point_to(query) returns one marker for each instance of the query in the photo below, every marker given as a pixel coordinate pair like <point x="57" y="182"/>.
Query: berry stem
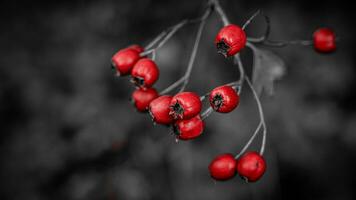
<point x="260" y="110"/>
<point x="195" y="50"/>
<point x="156" y="39"/>
<point x="285" y="43"/>
<point x="165" y="35"/>
<point x="247" y="145"/>
<point x="267" y="32"/>
<point x="237" y="60"/>
<point x="175" y="28"/>
<point x="221" y="12"/>
<point x="250" y="19"/>
<point x="206" y="113"/>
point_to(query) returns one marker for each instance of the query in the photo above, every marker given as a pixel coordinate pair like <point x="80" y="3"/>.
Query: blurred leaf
<point x="267" y="68"/>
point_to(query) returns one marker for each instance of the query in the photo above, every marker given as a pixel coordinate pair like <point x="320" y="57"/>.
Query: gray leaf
<point x="267" y="68"/>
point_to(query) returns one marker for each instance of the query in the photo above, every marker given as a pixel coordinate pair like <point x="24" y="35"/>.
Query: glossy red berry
<point x="159" y="110"/>
<point x="224" y="99"/>
<point x="137" y="48"/>
<point x="324" y="40"/>
<point x="223" y="167"/>
<point x="143" y="97"/>
<point x="251" y="166"/>
<point x="230" y="40"/>
<point x="123" y="61"/>
<point x="187" y="129"/>
<point x="185" y="105"/>
<point x="145" y="73"/>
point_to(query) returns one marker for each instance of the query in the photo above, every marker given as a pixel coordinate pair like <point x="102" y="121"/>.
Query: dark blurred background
<point x="68" y="130"/>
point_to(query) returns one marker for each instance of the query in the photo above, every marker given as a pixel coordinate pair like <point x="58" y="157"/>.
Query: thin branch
<point x="260" y="110"/>
<point x="281" y="43"/>
<point x="251" y="18"/>
<point x="247" y="145"/>
<point x="169" y="32"/>
<point x="206" y="113"/>
<point x="237" y="60"/>
<point x="166" y="38"/>
<point x="266" y="34"/>
<point x="173" y="86"/>
<point x="221" y="12"/>
<point x="194" y="54"/>
<point x="263" y="40"/>
<point x="184" y="80"/>
<point x="156" y="39"/>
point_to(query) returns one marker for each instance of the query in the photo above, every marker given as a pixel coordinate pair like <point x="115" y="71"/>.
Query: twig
<point x="156" y="39"/>
<point x="166" y="38"/>
<point x="221" y="12"/>
<point x="194" y="51"/>
<point x="247" y="145"/>
<point x="285" y="43"/>
<point x="237" y="60"/>
<point x="251" y="18"/>
<point x="265" y="35"/>
<point x="184" y="79"/>
<point x="260" y="110"/>
<point x="206" y="113"/>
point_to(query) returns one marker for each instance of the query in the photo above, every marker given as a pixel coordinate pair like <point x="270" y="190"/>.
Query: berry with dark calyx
<point x="324" y="40"/>
<point x="230" y="40"/>
<point x="143" y="97"/>
<point x="251" y="166"/>
<point x="187" y="129"/>
<point x="123" y="61"/>
<point x="223" y="167"/>
<point x="185" y="105"/>
<point x="224" y="99"/>
<point x="159" y="110"/>
<point x="145" y="73"/>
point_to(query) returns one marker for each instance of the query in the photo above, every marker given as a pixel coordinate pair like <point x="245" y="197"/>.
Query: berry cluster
<point x="183" y="111"/>
<point x="250" y="166"/>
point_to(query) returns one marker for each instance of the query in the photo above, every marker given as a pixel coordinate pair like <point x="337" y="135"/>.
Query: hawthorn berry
<point x="185" y="105"/>
<point x="230" y="40"/>
<point x="145" y="73"/>
<point x="123" y="61"/>
<point x="137" y="48"/>
<point x="143" y="97"/>
<point x="159" y="110"/>
<point x="251" y="166"/>
<point x="223" y="167"/>
<point x="187" y="129"/>
<point x="224" y="99"/>
<point x="324" y="40"/>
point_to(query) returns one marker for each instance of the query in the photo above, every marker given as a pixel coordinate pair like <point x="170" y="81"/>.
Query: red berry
<point x="223" y="167"/>
<point x="251" y="166"/>
<point x="136" y="47"/>
<point x="187" y="129"/>
<point x="159" y="110"/>
<point x="145" y="73"/>
<point x="185" y="105"/>
<point x="143" y="97"/>
<point x="224" y="99"/>
<point x="123" y="61"/>
<point x="324" y="40"/>
<point x="230" y="40"/>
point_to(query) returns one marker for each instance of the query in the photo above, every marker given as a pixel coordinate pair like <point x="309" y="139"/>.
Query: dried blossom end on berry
<point x="138" y="81"/>
<point x="176" y="111"/>
<point x="218" y="101"/>
<point x="222" y="48"/>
